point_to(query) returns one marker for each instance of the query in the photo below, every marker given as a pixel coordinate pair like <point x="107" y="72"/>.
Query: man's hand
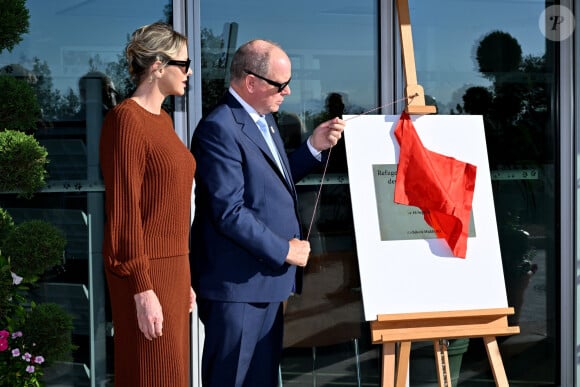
<point x="149" y="314"/>
<point x="298" y="252"/>
<point x="327" y="134"/>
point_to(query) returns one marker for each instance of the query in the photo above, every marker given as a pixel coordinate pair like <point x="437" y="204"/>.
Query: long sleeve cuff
<point x="316" y="153"/>
<point x="140" y="282"/>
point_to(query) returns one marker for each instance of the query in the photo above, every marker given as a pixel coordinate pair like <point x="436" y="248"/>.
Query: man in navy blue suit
<point x="245" y="240"/>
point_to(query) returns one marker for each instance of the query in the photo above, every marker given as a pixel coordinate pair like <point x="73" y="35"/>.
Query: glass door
<point x="494" y="59"/>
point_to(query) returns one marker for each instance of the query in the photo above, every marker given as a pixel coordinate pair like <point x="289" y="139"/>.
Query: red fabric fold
<point x="441" y="186"/>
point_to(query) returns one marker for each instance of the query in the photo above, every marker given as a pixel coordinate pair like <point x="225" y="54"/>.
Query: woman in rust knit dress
<point x="148" y="174"/>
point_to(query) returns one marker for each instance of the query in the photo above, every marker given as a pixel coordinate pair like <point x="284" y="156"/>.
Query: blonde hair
<point x="150" y="43"/>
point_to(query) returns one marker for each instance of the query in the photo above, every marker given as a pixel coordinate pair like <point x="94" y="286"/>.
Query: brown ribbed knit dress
<point x="148" y="174"/>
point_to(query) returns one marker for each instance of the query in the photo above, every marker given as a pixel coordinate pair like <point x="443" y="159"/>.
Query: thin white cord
<point x="330" y="151"/>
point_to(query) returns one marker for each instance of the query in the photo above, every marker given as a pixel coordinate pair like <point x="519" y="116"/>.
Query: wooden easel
<point x="402" y="329"/>
<point x="391" y="330"/>
<point x="413" y="91"/>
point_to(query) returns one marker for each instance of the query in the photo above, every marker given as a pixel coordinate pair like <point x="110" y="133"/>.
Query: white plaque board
<point x="404" y="267"/>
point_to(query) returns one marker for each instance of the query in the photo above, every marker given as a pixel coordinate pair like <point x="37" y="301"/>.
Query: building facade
<point x="512" y="62"/>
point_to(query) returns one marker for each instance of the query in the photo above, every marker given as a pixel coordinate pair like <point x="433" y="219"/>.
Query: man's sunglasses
<point x="184" y="64"/>
<point x="280" y="86"/>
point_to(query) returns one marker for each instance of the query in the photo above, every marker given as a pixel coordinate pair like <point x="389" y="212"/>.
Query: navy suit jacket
<point x="245" y="209"/>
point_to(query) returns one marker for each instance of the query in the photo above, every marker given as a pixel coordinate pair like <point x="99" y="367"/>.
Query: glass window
<point x="72" y="58"/>
<point x="492" y="59"/>
<point x="333" y="46"/>
<point x="472" y="57"/>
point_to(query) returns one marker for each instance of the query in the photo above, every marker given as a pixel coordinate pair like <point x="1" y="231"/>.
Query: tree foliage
<point x="214" y="75"/>
<point x="515" y="107"/>
<point x="19" y="108"/>
<point x="498" y="52"/>
<point x="14" y="22"/>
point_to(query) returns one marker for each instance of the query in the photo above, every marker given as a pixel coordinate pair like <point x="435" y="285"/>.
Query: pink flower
<point x="39" y="359"/>
<point x="4" y="334"/>
<point x="3" y="345"/>
<point x="30" y="369"/>
<point x="27" y="356"/>
<point x="16" y="352"/>
<point x="16" y="334"/>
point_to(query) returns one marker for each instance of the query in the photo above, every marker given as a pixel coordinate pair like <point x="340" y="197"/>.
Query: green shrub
<point x="48" y="328"/>
<point x="6" y="288"/>
<point x="19" y="107"/>
<point x="14" y="21"/>
<point x="22" y="163"/>
<point x="34" y="247"/>
<point x="6" y="225"/>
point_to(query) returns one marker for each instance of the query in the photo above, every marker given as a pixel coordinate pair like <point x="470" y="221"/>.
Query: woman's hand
<point x="149" y="314"/>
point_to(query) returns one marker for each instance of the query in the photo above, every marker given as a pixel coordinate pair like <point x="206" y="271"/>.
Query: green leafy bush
<point x="32" y="336"/>
<point x="22" y="163"/>
<point x="6" y="285"/>
<point x="34" y="247"/>
<point x="48" y="327"/>
<point x="19" y="107"/>
<point x="6" y="224"/>
<point x="14" y="21"/>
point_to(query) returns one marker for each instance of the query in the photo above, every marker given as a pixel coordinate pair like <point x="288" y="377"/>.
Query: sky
<point x="446" y="34"/>
<point x="333" y="43"/>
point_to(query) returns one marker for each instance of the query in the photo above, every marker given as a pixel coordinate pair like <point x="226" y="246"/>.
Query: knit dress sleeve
<point x="123" y="155"/>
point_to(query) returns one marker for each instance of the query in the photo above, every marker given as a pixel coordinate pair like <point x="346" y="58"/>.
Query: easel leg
<point x="495" y="361"/>
<point x="403" y="363"/>
<point x="388" y="377"/>
<point x="442" y="363"/>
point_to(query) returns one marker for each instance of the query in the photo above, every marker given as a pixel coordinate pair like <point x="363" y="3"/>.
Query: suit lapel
<point x="250" y="129"/>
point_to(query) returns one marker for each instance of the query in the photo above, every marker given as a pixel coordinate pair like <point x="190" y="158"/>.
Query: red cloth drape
<point x="441" y="186"/>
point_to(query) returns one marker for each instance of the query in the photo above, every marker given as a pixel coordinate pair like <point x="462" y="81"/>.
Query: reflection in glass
<point x="72" y="58"/>
<point x="503" y="69"/>
<point x="333" y="49"/>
